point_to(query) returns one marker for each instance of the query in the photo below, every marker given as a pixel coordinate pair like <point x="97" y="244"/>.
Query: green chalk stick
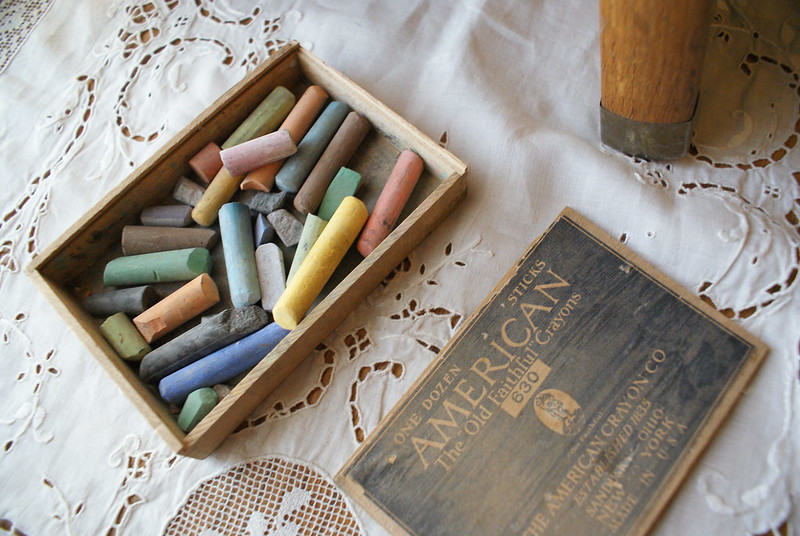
<point x="311" y="231"/>
<point x="344" y="184"/>
<point x="265" y="118"/>
<point x="198" y="404"/>
<point x="163" y="266"/>
<point x="123" y="336"/>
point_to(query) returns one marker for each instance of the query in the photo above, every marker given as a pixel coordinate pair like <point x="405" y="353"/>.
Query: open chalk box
<point x="71" y="268"/>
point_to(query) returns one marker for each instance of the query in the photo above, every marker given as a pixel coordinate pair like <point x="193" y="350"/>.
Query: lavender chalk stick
<point x="167" y="216"/>
<point x="213" y="333"/>
<point x="221" y="365"/>
<point x="240" y="259"/>
<point x="297" y="167"/>
<point x="263" y="230"/>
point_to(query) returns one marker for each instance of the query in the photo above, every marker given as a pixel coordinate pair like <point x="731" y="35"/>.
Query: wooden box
<point x="74" y="263"/>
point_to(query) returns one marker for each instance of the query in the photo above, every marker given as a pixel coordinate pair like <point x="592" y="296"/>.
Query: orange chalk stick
<point x="185" y="303"/>
<point x="297" y="123"/>
<point x="390" y="203"/>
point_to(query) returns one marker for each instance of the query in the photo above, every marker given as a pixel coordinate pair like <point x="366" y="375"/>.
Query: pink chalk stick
<point x="206" y="163"/>
<point x="297" y="123"/>
<point x="257" y="152"/>
<point x="390" y="203"/>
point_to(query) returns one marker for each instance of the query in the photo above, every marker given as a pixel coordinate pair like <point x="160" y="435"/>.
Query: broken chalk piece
<point x="187" y="192"/>
<point x="345" y="184"/>
<point x="297" y="123"/>
<point x="131" y="301"/>
<point x="297" y="167"/>
<point x="264" y="119"/>
<point x="162" y="266"/>
<point x="311" y="231"/>
<point x="337" y="154"/>
<point x="263" y="230"/>
<point x="391" y="201"/>
<point x="142" y="239"/>
<point x="198" y="404"/>
<point x="207" y="162"/>
<point x="123" y="336"/>
<point x="212" y="333"/>
<point x="219" y="192"/>
<point x="245" y="157"/>
<point x="167" y="216"/>
<point x="240" y="259"/>
<point x="271" y="274"/>
<point x="286" y="226"/>
<point x="185" y="303"/>
<point x="221" y="365"/>
<point x="263" y="202"/>
<point x="321" y="261"/>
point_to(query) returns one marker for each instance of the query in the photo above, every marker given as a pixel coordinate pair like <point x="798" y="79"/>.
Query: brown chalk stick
<point x="185" y="303"/>
<point x="341" y="148"/>
<point x="207" y="162"/>
<point x="145" y="239"/>
<point x="297" y="124"/>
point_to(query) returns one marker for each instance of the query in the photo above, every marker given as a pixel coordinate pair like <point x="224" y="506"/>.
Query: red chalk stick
<point x="206" y="163"/>
<point x="390" y="203"/>
<point x="297" y="123"/>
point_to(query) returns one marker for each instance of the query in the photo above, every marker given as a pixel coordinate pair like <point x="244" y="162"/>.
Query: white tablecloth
<point x="91" y="88"/>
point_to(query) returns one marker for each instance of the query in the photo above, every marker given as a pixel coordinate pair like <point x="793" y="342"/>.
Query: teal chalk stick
<point x="240" y="258"/>
<point x="344" y="184"/>
<point x="297" y="167"/>
<point x="198" y="404"/>
<point x="163" y="266"/>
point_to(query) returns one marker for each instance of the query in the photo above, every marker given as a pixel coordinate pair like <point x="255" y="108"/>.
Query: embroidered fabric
<point x="510" y="87"/>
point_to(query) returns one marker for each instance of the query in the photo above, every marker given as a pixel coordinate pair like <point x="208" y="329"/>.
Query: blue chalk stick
<point x="221" y="365"/>
<point x="240" y="257"/>
<point x="296" y="168"/>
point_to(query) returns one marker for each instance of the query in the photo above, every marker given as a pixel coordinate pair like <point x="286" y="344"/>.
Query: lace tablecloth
<point x="91" y="88"/>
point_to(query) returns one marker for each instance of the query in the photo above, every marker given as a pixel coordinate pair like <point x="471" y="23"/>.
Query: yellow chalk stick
<point x="321" y="261"/>
<point x="219" y="192"/>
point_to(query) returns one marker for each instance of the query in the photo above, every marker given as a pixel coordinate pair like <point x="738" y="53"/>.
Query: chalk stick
<point x="264" y="119"/>
<point x="130" y="301"/>
<point x="287" y="227"/>
<point x="337" y="154"/>
<point x="199" y="403"/>
<point x="123" y="336"/>
<point x="247" y="156"/>
<point x="311" y="230"/>
<point x="187" y="192"/>
<point x="263" y="202"/>
<point x="222" y="390"/>
<point x="240" y="259"/>
<point x="142" y="239"/>
<point x="162" y="266"/>
<point x="219" y="192"/>
<point x="212" y="333"/>
<point x="345" y="184"/>
<point x="221" y="365"/>
<point x="321" y="261"/>
<point x="263" y="231"/>
<point x="207" y="162"/>
<point x="297" y="167"/>
<point x="271" y="274"/>
<point x="185" y="303"/>
<point x="167" y="216"/>
<point x="391" y="201"/>
<point x="297" y="123"/>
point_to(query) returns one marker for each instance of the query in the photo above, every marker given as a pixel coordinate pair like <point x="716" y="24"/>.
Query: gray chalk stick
<point x="132" y="301"/>
<point x="211" y="334"/>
